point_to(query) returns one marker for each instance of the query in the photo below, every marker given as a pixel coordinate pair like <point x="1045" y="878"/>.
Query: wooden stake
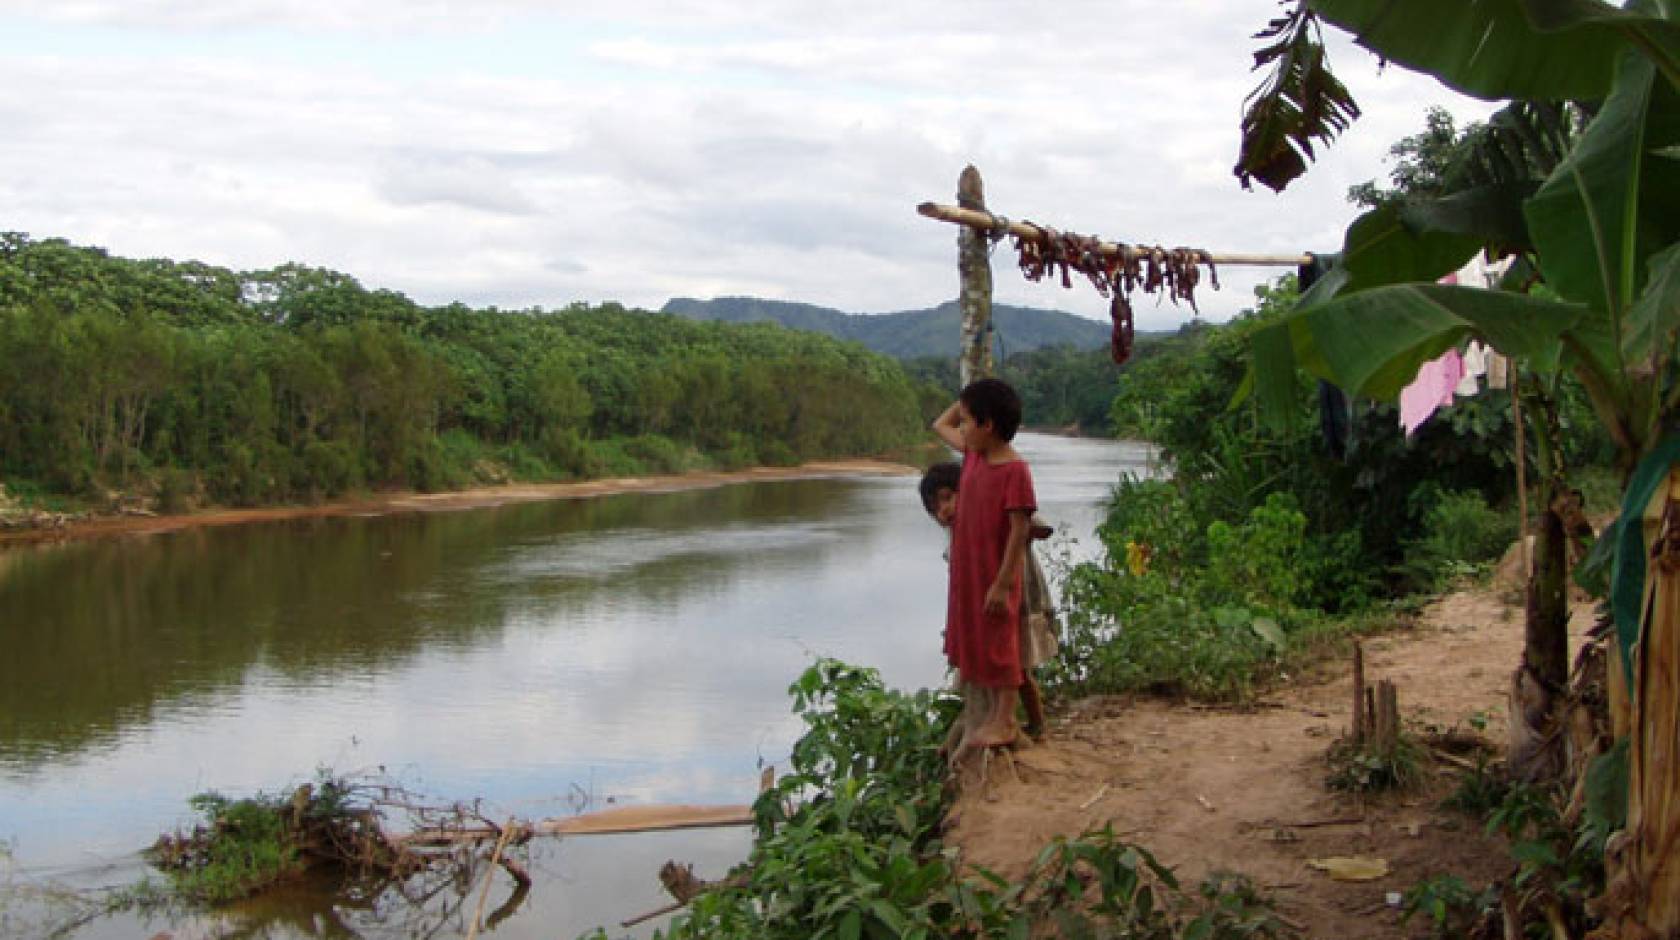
<point x="1358" y="694"/>
<point x="1385" y="723"/>
<point x="982" y="221"/>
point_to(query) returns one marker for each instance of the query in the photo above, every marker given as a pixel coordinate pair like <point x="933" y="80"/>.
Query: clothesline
<point x="987" y="222"/>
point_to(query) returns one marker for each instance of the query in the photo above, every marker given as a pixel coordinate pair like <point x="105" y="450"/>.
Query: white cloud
<point x="546" y="154"/>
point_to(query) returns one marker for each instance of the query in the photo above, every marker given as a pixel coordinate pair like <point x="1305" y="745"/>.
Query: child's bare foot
<point x="993" y="734"/>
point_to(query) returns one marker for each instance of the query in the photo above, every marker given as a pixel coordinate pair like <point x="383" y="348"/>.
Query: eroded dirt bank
<point x="476" y="498"/>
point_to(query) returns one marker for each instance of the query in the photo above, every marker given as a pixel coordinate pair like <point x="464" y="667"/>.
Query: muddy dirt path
<point x="1210" y="789"/>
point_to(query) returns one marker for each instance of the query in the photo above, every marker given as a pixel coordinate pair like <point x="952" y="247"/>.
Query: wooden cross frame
<point x="975" y="268"/>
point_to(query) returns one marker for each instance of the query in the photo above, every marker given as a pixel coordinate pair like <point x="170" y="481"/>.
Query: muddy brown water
<point x="541" y="656"/>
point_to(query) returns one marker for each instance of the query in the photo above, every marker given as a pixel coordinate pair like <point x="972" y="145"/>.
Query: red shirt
<point x="985" y="650"/>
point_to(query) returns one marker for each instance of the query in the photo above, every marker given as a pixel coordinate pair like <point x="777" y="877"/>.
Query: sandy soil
<point x="1210" y="789"/>
<point x="477" y="498"/>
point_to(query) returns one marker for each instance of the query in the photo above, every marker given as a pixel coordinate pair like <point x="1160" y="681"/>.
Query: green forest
<point x="197" y="384"/>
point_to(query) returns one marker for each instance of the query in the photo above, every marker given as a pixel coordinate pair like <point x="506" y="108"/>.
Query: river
<point x="545" y="657"/>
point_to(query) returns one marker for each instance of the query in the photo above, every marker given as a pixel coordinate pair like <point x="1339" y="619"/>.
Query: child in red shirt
<point x="995" y="502"/>
<point x="1038" y="643"/>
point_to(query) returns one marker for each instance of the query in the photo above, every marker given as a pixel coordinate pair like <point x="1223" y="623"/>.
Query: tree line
<point x="203" y="383"/>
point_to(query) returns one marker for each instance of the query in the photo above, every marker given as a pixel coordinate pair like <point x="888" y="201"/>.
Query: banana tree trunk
<point x="1642" y="898"/>
<point x="1539" y="686"/>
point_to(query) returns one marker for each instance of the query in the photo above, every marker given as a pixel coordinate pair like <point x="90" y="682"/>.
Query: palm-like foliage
<point x="1301" y="101"/>
<point x="1597" y="216"/>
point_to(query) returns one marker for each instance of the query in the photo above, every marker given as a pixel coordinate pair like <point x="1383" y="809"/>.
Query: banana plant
<point x="1601" y="228"/>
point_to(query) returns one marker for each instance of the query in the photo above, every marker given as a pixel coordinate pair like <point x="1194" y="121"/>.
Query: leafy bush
<point x="774" y="453"/>
<point x="1364" y="768"/>
<point x="332" y="466"/>
<point x="736" y="453"/>
<point x="176" y="489"/>
<point x="1450" y="904"/>
<point x="1257" y="563"/>
<point x="1459" y="533"/>
<point x="656" y="454"/>
<point x="1480" y="790"/>
<point x="860" y="852"/>
<point x="246" y="845"/>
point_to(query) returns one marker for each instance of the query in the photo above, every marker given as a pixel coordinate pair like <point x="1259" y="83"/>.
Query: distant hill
<point x="906" y="334"/>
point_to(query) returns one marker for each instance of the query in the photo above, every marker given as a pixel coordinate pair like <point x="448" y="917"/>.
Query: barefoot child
<point x="995" y="502"/>
<point x="1038" y="612"/>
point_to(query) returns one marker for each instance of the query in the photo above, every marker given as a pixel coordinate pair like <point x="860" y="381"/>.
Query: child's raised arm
<point x="949" y="426"/>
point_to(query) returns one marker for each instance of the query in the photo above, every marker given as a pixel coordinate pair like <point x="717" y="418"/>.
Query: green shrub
<point x="1460" y="533"/>
<point x="776" y="453"/>
<point x="1363" y="768"/>
<point x="1449" y="903"/>
<point x="333" y="467"/>
<point x="737" y="452"/>
<point x="657" y="454"/>
<point x="525" y="464"/>
<point x="566" y="452"/>
<point x="1257" y="563"/>
<point x="176" y="489"/>
<point x="1126" y="632"/>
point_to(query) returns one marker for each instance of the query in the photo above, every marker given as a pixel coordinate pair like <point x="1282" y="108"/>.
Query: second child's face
<point x="945" y="506"/>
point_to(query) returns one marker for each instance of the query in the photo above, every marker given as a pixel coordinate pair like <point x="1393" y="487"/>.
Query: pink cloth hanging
<point x="1432" y="389"/>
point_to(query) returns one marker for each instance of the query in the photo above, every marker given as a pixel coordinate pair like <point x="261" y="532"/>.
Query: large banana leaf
<point x="1394" y="243"/>
<point x="1652" y="320"/>
<point x="1611" y="205"/>
<point x="1371" y="343"/>
<point x="1492" y="214"/>
<point x="1493" y="48"/>
<point x="1649" y="25"/>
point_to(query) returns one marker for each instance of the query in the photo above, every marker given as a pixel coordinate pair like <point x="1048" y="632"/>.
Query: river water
<point x="545" y="657"/>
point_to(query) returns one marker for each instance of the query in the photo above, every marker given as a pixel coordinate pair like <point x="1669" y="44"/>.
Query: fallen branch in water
<point x="681" y="884"/>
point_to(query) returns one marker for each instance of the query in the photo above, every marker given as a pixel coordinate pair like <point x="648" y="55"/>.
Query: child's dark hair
<point x="940" y="476"/>
<point x="992" y="400"/>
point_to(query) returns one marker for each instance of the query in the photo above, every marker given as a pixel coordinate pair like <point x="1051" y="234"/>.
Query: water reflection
<point x="99" y="636"/>
<point x="635" y="646"/>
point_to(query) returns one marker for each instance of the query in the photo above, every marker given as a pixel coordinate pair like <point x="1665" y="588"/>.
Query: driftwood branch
<point x="619" y="820"/>
<point x="489" y="875"/>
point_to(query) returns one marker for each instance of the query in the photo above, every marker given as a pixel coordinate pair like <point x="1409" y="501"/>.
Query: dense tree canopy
<point x="296" y="382"/>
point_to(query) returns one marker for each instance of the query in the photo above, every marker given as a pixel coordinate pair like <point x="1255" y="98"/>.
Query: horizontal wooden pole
<point x="647" y="819"/>
<point x="620" y="819"/>
<point x="985" y="221"/>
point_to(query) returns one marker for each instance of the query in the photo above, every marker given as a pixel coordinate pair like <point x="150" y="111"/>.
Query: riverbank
<point x="1242" y="789"/>
<point x="483" y="497"/>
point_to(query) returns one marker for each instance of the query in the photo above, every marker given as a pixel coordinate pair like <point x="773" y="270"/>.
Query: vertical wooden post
<point x="974" y="266"/>
<point x="1359" y="713"/>
<point x="1385" y="723"/>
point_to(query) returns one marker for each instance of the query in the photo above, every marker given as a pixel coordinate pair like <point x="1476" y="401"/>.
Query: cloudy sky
<point x="518" y="152"/>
